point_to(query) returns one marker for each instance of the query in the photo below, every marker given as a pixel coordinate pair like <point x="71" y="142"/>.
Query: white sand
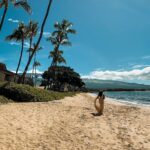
<point x="69" y="125"/>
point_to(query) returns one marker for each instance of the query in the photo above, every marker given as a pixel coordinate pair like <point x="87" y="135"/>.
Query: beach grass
<point x="26" y="93"/>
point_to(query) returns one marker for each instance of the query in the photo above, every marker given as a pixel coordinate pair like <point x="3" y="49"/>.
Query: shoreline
<point x="121" y="102"/>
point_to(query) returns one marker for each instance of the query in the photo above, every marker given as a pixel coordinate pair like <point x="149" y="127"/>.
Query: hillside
<point x="109" y="84"/>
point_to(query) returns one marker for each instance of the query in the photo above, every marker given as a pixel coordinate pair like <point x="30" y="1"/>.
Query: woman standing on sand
<point x="100" y="108"/>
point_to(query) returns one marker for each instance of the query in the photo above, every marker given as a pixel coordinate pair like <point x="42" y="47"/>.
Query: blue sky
<point x="112" y="40"/>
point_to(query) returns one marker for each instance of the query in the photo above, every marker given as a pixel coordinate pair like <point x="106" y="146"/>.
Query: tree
<point x="35" y="65"/>
<point x="32" y="29"/>
<point x="18" y="35"/>
<point x="38" y="42"/>
<point x="57" y="57"/>
<point x="5" y="3"/>
<point x="64" y="76"/>
<point x="60" y="37"/>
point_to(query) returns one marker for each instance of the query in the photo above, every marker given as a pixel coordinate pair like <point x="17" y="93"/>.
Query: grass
<point x="25" y="93"/>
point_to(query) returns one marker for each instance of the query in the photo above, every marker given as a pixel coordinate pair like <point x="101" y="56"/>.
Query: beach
<point x="68" y="124"/>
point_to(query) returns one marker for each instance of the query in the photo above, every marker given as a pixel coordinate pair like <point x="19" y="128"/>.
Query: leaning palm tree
<point x="18" y="35"/>
<point x="22" y="79"/>
<point x="32" y="29"/>
<point x="5" y="3"/>
<point x="59" y="38"/>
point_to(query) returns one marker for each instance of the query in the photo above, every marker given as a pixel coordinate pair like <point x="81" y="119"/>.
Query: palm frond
<point x="30" y="50"/>
<point x="65" y="42"/>
<point x="61" y="60"/>
<point x="24" y="4"/>
<point x="56" y="33"/>
<point x="38" y="48"/>
<point x="32" y="29"/>
<point x="58" y="26"/>
<point x="66" y="24"/>
<point x="2" y="3"/>
<point x="36" y="63"/>
<point x="16" y="35"/>
<point x="53" y="40"/>
<point x="72" y="31"/>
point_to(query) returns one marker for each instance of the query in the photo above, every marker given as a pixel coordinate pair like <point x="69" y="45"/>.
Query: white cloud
<point x="146" y="57"/>
<point x="30" y="71"/>
<point x="37" y="71"/>
<point x="26" y="44"/>
<point x="14" y="43"/>
<point x="135" y="74"/>
<point x="46" y="34"/>
<point x="13" y="21"/>
<point x="15" y="71"/>
<point x="139" y="66"/>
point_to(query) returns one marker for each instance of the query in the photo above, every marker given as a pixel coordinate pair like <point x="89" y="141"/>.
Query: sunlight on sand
<point x="69" y="125"/>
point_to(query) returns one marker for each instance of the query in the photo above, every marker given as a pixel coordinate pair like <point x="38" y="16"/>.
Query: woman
<point x="99" y="108"/>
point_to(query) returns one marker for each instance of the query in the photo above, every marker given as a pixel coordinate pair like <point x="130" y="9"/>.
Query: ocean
<point x="134" y="97"/>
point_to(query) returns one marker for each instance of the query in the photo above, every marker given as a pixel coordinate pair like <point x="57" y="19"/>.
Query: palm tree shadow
<point x="96" y="114"/>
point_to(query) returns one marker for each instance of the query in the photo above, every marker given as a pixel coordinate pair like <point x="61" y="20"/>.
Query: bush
<point x="26" y="93"/>
<point x="4" y="100"/>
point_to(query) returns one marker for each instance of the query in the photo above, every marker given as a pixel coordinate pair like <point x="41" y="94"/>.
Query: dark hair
<point x="100" y="93"/>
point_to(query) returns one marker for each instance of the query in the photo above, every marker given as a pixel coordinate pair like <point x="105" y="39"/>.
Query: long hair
<point x="100" y="93"/>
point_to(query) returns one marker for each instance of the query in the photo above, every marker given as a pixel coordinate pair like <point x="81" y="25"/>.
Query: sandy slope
<point x="68" y="125"/>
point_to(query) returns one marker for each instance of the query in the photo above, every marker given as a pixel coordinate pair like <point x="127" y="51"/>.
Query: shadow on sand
<point x="97" y="114"/>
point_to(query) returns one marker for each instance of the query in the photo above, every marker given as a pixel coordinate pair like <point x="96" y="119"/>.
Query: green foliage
<point x="58" y="76"/>
<point x="25" y="93"/>
<point x="60" y="38"/>
<point x="4" y="100"/>
<point x="18" y="34"/>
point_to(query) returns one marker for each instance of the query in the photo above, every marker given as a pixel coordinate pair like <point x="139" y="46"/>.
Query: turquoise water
<point x="136" y="97"/>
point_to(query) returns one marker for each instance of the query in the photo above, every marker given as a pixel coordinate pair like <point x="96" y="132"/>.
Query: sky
<point x="112" y="40"/>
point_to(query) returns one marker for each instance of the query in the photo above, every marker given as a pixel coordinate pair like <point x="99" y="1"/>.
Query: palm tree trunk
<point x="31" y="39"/>
<point x="38" y="42"/>
<point x="22" y="48"/>
<point x="34" y="69"/>
<point x="32" y="72"/>
<point x="3" y="17"/>
<point x="30" y="46"/>
<point x="35" y="76"/>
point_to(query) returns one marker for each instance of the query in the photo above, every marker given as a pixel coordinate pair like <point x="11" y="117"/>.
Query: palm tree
<point x="32" y="29"/>
<point x="35" y="65"/>
<point x="60" y="37"/>
<point x="18" y="35"/>
<point x="38" y="42"/>
<point x="35" y="54"/>
<point x="5" y="3"/>
<point x="57" y="57"/>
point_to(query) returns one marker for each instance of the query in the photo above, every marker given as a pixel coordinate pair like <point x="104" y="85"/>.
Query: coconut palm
<point x="32" y="29"/>
<point x="18" y="35"/>
<point x="35" y="65"/>
<point x="30" y="50"/>
<point x="35" y="54"/>
<point x="37" y="43"/>
<point x="59" y="38"/>
<point x="57" y="57"/>
<point x="5" y="3"/>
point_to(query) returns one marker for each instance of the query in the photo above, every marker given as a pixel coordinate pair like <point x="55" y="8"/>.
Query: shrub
<point x="4" y="100"/>
<point x="26" y="93"/>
